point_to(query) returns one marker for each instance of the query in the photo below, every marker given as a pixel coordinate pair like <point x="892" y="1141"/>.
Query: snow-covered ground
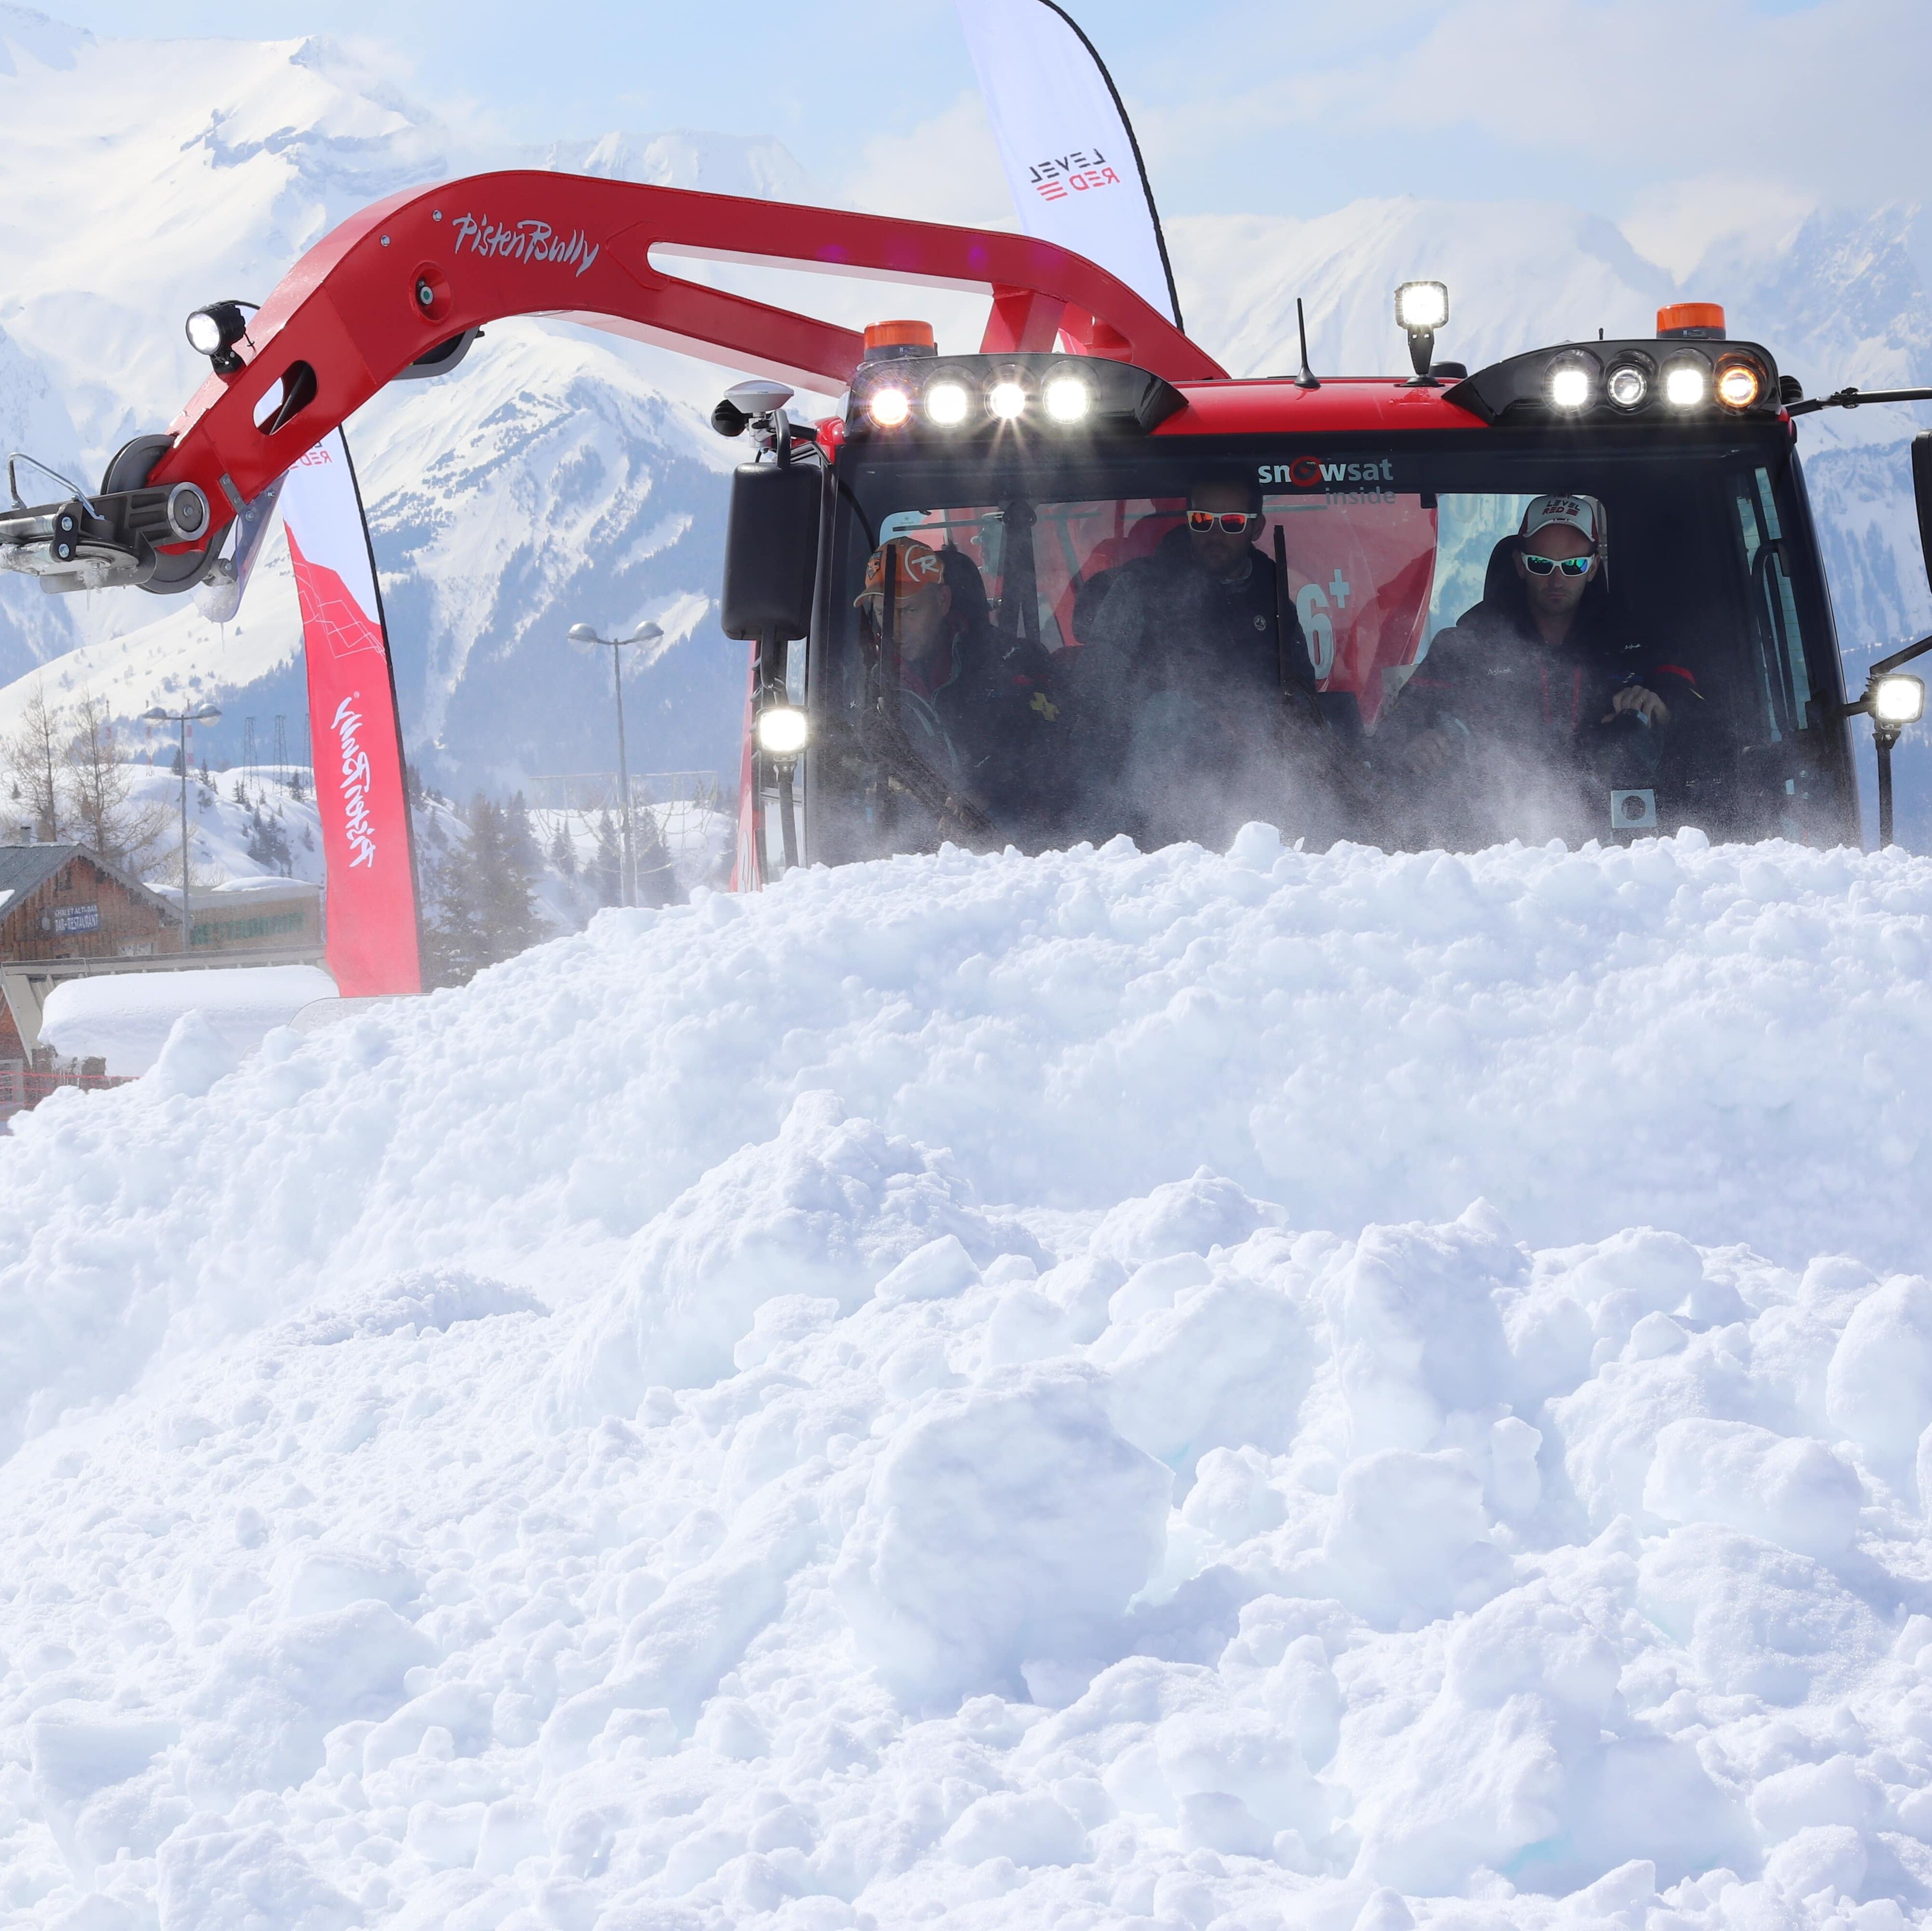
<point x="1100" y="1390"/>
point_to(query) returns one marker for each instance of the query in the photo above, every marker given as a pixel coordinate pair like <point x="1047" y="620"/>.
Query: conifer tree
<point x="607" y="869"/>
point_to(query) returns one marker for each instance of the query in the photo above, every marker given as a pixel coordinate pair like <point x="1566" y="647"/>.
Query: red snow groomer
<point x="1081" y="582"/>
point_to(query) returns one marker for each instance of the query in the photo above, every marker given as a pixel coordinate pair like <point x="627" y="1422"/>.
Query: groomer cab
<point x="1381" y="512"/>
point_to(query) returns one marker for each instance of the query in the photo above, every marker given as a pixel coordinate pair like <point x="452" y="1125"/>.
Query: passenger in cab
<point x="1185" y="659"/>
<point x="1524" y="714"/>
<point x="975" y="710"/>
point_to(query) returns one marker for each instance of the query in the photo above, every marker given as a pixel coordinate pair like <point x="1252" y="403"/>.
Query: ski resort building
<point x="66" y="913"/>
<point x="64" y="910"/>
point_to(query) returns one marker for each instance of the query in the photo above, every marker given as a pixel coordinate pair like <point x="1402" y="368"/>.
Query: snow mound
<point x="1175" y="1390"/>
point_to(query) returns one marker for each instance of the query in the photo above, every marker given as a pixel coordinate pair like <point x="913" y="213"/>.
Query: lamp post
<point x="208" y="714"/>
<point x="586" y="639"/>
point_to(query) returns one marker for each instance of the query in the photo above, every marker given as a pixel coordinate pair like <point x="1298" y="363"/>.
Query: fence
<point x="686" y="807"/>
<point x="22" y="1087"/>
<point x="588" y="792"/>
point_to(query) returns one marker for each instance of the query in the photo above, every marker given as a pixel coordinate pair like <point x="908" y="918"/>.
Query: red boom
<point x="395" y="280"/>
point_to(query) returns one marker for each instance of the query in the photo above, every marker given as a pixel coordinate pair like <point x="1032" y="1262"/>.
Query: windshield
<point x="1451" y="645"/>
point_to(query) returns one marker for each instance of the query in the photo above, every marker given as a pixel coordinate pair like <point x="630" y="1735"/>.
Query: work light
<point x="1572" y="383"/>
<point x="1421" y="308"/>
<point x="213" y="331"/>
<point x="1740" y="381"/>
<point x="1687" y="381"/>
<point x="1067" y="398"/>
<point x="1898" y="700"/>
<point x="947" y="404"/>
<point x="1628" y="385"/>
<point x="782" y="730"/>
<point x="889" y="407"/>
<point x="1007" y="400"/>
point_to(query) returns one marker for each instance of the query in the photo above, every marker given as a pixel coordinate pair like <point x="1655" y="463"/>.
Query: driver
<point x="1536" y="672"/>
<point x="1187" y="655"/>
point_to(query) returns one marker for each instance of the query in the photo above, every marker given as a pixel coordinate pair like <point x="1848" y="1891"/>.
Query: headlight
<point x="1007" y="400"/>
<point x="1740" y="381"/>
<point x="1687" y="381"/>
<point x="947" y="402"/>
<point x="1422" y="307"/>
<point x="782" y="730"/>
<point x="1898" y="700"/>
<point x="1572" y="381"/>
<point x="889" y="407"/>
<point x="1628" y="383"/>
<point x="1067" y="398"/>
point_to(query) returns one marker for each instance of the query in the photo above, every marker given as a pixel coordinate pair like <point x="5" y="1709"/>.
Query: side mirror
<point x="771" y="551"/>
<point x="1921" y="490"/>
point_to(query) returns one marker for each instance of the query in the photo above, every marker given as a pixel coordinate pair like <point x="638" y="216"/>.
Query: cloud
<point x="946" y="169"/>
<point x="1600" y="102"/>
<point x="1678" y="224"/>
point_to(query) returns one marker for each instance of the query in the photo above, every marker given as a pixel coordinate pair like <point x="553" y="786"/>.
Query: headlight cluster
<point x="1630" y="380"/>
<point x="952" y="400"/>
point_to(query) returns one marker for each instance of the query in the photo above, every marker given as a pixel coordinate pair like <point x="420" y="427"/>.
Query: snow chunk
<point x="1009" y="1523"/>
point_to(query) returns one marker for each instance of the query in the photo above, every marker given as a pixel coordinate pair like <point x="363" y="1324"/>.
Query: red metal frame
<point x="395" y="280"/>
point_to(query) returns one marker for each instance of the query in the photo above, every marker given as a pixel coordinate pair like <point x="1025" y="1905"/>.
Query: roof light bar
<point x="1650" y="381"/>
<point x="1025" y="394"/>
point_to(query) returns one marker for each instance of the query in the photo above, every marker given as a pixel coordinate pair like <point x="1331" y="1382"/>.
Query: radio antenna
<point x="1306" y="380"/>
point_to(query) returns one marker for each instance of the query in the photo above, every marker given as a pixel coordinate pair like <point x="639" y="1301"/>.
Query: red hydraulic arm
<point x="409" y="273"/>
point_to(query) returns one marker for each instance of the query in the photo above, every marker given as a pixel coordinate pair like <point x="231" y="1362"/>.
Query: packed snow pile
<point x="1109" y="1389"/>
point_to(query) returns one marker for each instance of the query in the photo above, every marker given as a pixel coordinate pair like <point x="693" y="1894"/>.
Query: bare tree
<point x="99" y="794"/>
<point x="30" y="754"/>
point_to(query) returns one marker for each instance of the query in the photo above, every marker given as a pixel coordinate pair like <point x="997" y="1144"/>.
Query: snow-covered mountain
<point x="561" y="476"/>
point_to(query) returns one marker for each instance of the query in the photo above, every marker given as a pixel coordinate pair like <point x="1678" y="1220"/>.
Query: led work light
<point x="782" y="730"/>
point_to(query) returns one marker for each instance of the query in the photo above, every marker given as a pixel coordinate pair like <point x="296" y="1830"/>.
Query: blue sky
<point x="1679" y="118"/>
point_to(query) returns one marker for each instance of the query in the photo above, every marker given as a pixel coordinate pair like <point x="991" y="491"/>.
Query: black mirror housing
<point x="1921" y="490"/>
<point x="771" y="551"/>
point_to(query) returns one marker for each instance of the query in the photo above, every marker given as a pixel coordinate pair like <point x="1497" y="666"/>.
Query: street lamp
<point x="208" y="714"/>
<point x="586" y="639"/>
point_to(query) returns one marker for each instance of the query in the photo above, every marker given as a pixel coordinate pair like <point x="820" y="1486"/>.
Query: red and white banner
<point x="354" y="734"/>
<point x="1066" y="145"/>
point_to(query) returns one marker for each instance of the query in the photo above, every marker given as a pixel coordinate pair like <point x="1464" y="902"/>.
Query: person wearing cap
<point x="1185" y="659"/>
<point x="977" y="706"/>
<point x="1537" y="671"/>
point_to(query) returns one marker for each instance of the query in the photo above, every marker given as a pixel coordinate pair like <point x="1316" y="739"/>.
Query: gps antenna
<point x="1306" y="380"/>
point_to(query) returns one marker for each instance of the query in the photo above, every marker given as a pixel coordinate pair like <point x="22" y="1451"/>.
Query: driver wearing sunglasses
<point x="1180" y="681"/>
<point x="1537" y="669"/>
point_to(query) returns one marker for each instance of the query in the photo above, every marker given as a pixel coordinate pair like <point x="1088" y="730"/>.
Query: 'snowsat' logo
<point x="357" y="825"/>
<point x="524" y="241"/>
<point x="1319" y="472"/>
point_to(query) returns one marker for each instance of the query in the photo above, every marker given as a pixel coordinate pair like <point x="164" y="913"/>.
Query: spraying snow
<point x="1102" y="1390"/>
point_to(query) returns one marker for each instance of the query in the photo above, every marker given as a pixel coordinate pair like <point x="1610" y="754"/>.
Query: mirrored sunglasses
<point x="1569" y="566"/>
<point x="1231" y="523"/>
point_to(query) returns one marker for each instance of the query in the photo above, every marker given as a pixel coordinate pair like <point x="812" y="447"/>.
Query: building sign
<point x="71" y="919"/>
